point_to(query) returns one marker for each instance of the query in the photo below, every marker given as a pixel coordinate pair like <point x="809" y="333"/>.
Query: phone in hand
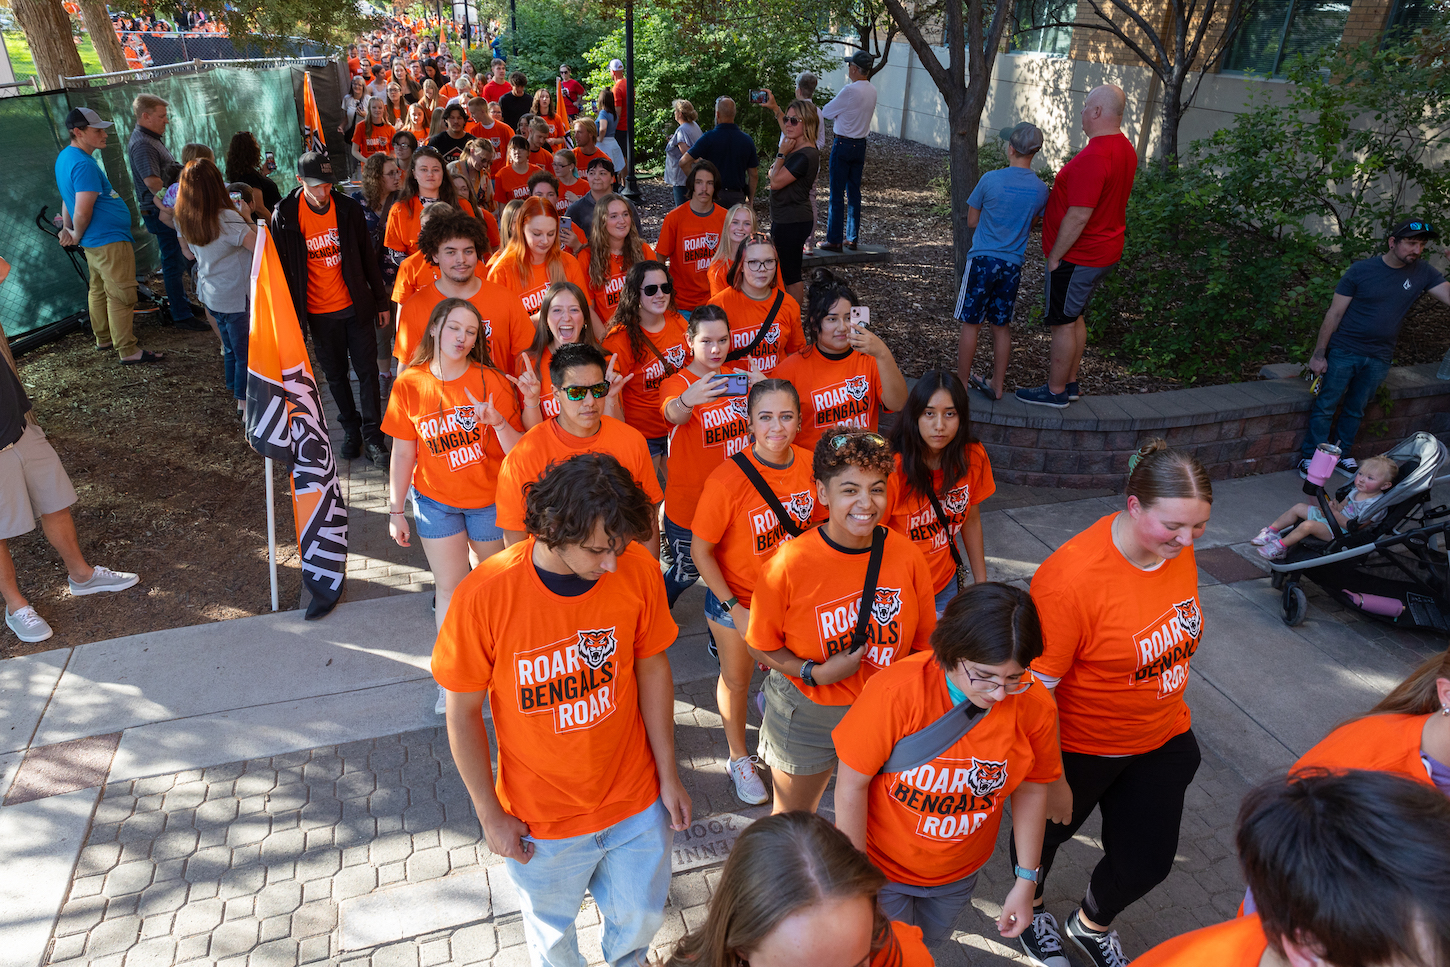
<point x="736" y="384"/>
<point x="565" y="223"/>
<point x="860" y="316"/>
<point x="271" y="161"/>
<point x="237" y="201"/>
<point x="759" y="97"/>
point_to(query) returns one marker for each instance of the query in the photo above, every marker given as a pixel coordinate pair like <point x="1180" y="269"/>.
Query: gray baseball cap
<point x="84" y="117"/>
<point x="1024" y="137"/>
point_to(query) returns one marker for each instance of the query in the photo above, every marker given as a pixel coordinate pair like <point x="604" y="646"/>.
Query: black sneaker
<point x="1348" y="465"/>
<point x="1102" y="949"/>
<point x="378" y="454"/>
<point x="1042" y="941"/>
<point x="1043" y="396"/>
<point x="351" y="447"/>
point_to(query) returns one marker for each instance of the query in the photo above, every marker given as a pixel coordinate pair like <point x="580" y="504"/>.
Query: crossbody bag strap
<point x="941" y="518"/>
<point x="868" y="593"/>
<point x="762" y="488"/>
<point x="670" y="368"/>
<point x="920" y="747"/>
<point x="760" y="333"/>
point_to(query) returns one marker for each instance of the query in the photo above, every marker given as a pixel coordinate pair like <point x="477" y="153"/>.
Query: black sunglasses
<point x="576" y="393"/>
<point x="664" y="287"/>
<point x="791" y="120"/>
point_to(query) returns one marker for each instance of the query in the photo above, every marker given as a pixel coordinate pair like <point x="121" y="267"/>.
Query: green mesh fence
<point x="209" y="108"/>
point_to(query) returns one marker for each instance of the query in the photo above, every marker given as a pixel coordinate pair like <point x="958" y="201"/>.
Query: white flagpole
<point x="271" y="534"/>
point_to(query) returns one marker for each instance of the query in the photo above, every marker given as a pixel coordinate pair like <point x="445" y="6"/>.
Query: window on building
<point x="1056" y="41"/>
<point x="1407" y="17"/>
<point x="1276" y="31"/>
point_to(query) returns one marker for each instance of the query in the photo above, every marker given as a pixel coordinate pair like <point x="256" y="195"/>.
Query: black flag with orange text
<point x="285" y="422"/>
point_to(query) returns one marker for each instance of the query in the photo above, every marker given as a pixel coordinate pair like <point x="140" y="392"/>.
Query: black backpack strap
<point x="760" y="333"/>
<point x="762" y="488"/>
<point x="868" y="593"/>
<point x="919" y="748"/>
<point x="941" y="519"/>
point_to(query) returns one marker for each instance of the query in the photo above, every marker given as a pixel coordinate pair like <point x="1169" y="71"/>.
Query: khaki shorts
<point x="32" y="483"/>
<point x="795" y="735"/>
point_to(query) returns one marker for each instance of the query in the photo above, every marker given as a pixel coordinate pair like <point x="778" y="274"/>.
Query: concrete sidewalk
<point x="269" y="790"/>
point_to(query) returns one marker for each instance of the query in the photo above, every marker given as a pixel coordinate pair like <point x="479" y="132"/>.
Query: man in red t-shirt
<point x="498" y="84"/>
<point x="1082" y="236"/>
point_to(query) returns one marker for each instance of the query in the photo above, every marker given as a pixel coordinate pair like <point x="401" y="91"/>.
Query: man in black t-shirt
<point x="1357" y="341"/>
<point x="451" y="141"/>
<point x="516" y="103"/>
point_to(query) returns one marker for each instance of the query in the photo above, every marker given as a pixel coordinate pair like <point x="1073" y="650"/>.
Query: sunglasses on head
<point x="576" y="393"/>
<point x="875" y="439"/>
<point x="664" y="287"/>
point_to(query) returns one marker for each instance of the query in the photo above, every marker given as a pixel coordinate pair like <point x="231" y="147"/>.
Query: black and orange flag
<point x="312" y="139"/>
<point x="285" y="422"/>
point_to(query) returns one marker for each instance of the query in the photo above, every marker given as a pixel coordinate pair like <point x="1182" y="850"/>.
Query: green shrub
<point x="551" y="32"/>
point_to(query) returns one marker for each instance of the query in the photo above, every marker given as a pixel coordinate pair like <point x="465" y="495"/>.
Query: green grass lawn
<point x="24" y="65"/>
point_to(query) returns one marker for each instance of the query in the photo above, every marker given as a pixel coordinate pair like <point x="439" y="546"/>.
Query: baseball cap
<point x="315" y="169"/>
<point x="84" y="117"/>
<point x="1025" y="137"/>
<point x="1414" y="228"/>
<point x="861" y="59"/>
<point x="616" y="64"/>
<point x="600" y="162"/>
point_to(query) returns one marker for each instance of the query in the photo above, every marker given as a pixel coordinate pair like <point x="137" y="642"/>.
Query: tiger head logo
<point x="799" y="505"/>
<point x="773" y="336"/>
<point x="858" y="387"/>
<point x="675" y="356"/>
<point x="466" y="417"/>
<point x="596" y="647"/>
<point x="739" y="408"/>
<point x="955" y="501"/>
<point x="1190" y="619"/>
<point x="986" y="777"/>
<point x="487" y="329"/>
<point x="886" y="606"/>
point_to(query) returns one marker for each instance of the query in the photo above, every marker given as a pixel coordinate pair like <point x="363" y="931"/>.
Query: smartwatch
<point x="729" y="603"/>
<point x="1032" y="876"/>
<point x="805" y="675"/>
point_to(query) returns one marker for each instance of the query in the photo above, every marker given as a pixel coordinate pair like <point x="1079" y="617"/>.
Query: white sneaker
<point x="440" y="707"/>
<point x="748" y="787"/>
<point x="104" y="579"/>
<point x="29" y="626"/>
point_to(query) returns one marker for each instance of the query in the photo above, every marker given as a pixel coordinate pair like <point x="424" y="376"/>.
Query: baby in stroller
<point x="1375" y="476"/>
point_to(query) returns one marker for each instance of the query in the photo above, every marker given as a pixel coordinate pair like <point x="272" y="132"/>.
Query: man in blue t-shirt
<point x="1002" y="209"/>
<point x="97" y="219"/>
<point x="1357" y="341"/>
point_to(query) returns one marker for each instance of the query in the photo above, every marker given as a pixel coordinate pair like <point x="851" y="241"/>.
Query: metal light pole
<point x="514" y="25"/>
<point x="631" y="187"/>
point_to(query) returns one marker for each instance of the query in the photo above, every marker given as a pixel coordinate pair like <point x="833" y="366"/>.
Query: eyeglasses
<point x="991" y="684"/>
<point x="757" y="265"/>
<point x="875" y="439"/>
<point x="576" y="393"/>
<point x="664" y="287"/>
<point x="791" y="120"/>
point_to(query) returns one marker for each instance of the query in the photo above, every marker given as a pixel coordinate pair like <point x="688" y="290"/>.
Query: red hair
<point x="516" y="251"/>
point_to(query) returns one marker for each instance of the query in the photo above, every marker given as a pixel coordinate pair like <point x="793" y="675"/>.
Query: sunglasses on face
<point x="664" y="287"/>
<point x="875" y="439"/>
<point x="792" y="120"/>
<point x="576" y="393"/>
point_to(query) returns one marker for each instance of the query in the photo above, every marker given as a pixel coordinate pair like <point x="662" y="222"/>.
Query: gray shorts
<point x="932" y="908"/>
<point x="1069" y="288"/>
<point x="795" y="734"/>
<point x="32" y="483"/>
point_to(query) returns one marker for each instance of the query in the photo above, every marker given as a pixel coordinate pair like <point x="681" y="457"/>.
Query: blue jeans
<point x="235" y="329"/>
<point x="679" y="191"/>
<point x="627" y="869"/>
<point x="173" y="266"/>
<point x="848" y="160"/>
<point x="682" y="573"/>
<point x="1350" y="380"/>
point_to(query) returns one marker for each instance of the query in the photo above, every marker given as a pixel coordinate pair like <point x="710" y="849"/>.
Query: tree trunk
<point x="1170" y="114"/>
<point x="963" y="166"/>
<point x="48" y="31"/>
<point x="103" y="35"/>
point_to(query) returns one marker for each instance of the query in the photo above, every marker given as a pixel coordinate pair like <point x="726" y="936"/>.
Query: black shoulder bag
<point x="941" y="519"/>
<point x="771" y="500"/>
<point x="760" y="334"/>
<point x="868" y="593"/>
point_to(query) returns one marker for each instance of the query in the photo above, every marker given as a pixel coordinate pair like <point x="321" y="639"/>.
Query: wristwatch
<point x="1032" y="876"/>
<point x="806" y="676"/>
<point x="729" y="603"/>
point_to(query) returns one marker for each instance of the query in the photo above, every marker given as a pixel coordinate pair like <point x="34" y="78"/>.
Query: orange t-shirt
<point x="421" y="133"/>
<point x="606" y="298"/>
<point x="508" y="184"/>
<point x="911" y="945"/>
<point x="573" y="754"/>
<point x="911" y="513"/>
<point x="569" y="194"/>
<point x="447" y="93"/>
<point x="641" y="395"/>
<point x="381" y="139"/>
<point x="505" y="326"/>
<point x="833" y="391"/>
<point x="717" y="430"/>
<point x="1120" y="639"/>
<point x="497" y="134"/>
<point x="716" y="275"/>
<point x="1382" y="743"/>
<point x="405" y="221"/>
<point x="531" y="293"/>
<point x="416" y="271"/>
<point x="733" y="516"/>
<point x="783" y="338"/>
<point x="548" y="405"/>
<point x="808" y="597"/>
<point x="458" y="456"/>
<point x="688" y="241"/>
<point x="582" y="157"/>
<point x="543" y="158"/>
<point x="938" y="823"/>
<point x="548" y="443"/>
<point x="326" y="290"/>
<point x="1236" y="943"/>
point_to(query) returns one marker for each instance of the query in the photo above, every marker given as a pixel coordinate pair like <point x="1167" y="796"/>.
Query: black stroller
<point x="1393" y="569"/>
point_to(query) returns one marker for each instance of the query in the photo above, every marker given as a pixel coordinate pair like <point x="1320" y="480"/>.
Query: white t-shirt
<point x="851" y="109"/>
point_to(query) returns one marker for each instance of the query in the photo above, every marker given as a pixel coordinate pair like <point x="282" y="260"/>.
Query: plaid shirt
<point x="149" y="157"/>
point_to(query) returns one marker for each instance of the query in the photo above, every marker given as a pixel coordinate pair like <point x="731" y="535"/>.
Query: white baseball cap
<point x="616" y="64"/>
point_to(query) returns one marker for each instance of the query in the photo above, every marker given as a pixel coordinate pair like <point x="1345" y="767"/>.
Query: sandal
<point x="104" y="349"/>
<point x="979" y="384"/>
<point x="147" y="356"/>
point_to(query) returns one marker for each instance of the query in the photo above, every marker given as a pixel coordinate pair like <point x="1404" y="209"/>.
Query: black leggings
<point x="790" y="242"/>
<point x="1141" y="800"/>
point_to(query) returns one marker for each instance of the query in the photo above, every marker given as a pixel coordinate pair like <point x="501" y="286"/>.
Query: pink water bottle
<point x="1322" y="464"/>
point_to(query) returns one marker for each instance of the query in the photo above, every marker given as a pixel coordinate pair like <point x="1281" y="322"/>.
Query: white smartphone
<point x="860" y="316"/>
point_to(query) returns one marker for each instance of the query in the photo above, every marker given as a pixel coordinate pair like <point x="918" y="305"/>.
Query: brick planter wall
<point x="1234" y="430"/>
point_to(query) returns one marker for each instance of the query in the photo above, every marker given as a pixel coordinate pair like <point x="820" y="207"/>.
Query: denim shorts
<point x="659" y="446"/>
<point x="945" y="595"/>
<point x="434" y="521"/>
<point x="715" y="610"/>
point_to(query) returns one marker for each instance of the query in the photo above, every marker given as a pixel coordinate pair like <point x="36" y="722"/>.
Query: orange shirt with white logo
<point x="549" y="443"/>
<point x="717" y="431"/>
<point x="1237" y="943"/>
<point x="687" y="241"/>
<point x="605" y="299"/>
<point x="782" y="338"/>
<point x="569" y="194"/>
<point x="834" y="390"/>
<point x="326" y="290"/>
<point x="732" y="515"/>
<point x="641" y="395"/>
<point x="405" y="222"/>
<point x="505" y="326"/>
<point x="938" y="823"/>
<point x="909" y="944"/>
<point x="508" y="184"/>
<point x="380" y="140"/>
<point x="573" y="754"/>
<point x="531" y="292"/>
<point x="416" y="271"/>
<point x="497" y="134"/>
<point x="542" y="158"/>
<point x="458" y="456"/>
<point x="912" y="514"/>
<point x="1120" y="638"/>
<point x="717" y="272"/>
<point x="808" y="597"/>
<point x="1387" y="742"/>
